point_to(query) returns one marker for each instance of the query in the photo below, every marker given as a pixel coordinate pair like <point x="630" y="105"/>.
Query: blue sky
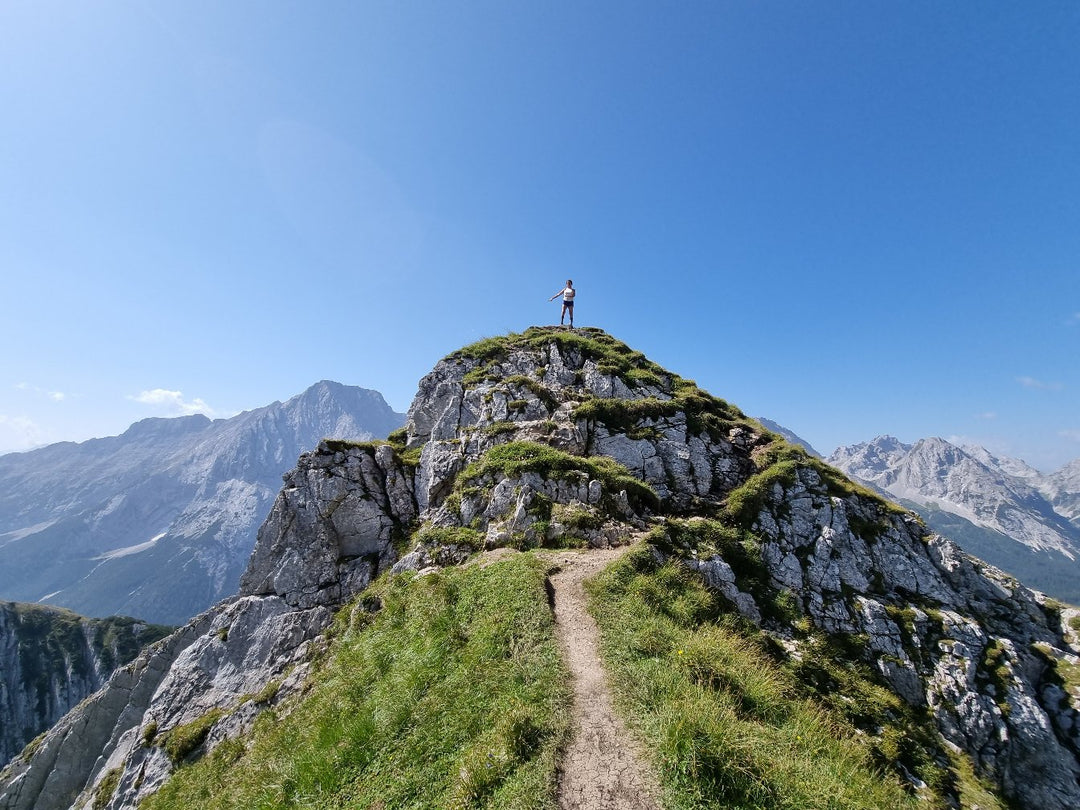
<point x="853" y="218"/>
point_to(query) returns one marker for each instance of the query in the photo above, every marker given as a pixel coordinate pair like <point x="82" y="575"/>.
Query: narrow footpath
<point x="602" y="768"/>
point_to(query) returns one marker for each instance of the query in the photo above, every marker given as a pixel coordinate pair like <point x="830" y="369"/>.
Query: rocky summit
<point x="571" y="439"/>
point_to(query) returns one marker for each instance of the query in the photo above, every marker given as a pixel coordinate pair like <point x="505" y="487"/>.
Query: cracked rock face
<point x="333" y="526"/>
<point x="947" y="632"/>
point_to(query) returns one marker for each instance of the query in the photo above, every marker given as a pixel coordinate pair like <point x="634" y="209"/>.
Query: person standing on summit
<point x="567" y="294"/>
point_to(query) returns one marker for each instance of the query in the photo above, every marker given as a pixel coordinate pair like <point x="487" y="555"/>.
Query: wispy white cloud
<point x="21" y="433"/>
<point x="986" y="415"/>
<point x="1039" y="385"/>
<point x="173" y="402"/>
<point x="1072" y="435"/>
<point x="55" y="396"/>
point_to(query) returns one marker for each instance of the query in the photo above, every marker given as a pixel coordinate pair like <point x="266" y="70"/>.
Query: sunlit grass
<point x="726" y="722"/>
<point x="452" y="695"/>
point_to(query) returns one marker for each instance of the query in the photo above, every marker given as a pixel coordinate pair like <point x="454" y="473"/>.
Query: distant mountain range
<point x="159" y="522"/>
<point x="997" y="508"/>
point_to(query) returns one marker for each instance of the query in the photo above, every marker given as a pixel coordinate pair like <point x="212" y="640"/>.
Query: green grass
<point x="611" y="356"/>
<point x="451" y="695"/>
<point x="105" y="789"/>
<point x="450" y="536"/>
<point x="183" y="740"/>
<point x="744" y="503"/>
<point x="345" y="445"/>
<point x="729" y="724"/>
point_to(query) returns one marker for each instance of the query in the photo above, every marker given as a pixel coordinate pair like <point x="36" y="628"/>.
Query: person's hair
<point x="570" y="281"/>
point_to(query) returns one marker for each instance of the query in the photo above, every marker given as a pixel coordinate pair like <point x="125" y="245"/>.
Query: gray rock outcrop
<point x="948" y="632"/>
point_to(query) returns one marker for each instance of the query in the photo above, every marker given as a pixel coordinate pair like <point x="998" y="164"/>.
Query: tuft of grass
<point x="744" y="503"/>
<point x="182" y="741"/>
<point x="451" y="695"/>
<point x="105" y="789"/>
<point x="451" y="536"/>
<point x="264" y="695"/>
<point x="730" y="724"/>
<point x="500" y="428"/>
<point x="1074" y="623"/>
<point x="345" y="445"/>
<point x="972" y="790"/>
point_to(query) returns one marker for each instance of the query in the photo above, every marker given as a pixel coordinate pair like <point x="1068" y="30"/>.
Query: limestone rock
<point x="333" y="526"/>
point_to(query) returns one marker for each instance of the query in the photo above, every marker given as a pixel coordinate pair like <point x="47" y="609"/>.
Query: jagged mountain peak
<point x="159" y="522"/>
<point x="997" y="507"/>
<point x="559" y="438"/>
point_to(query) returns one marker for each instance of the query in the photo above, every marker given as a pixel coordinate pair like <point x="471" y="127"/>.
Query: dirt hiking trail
<point x="602" y="768"/>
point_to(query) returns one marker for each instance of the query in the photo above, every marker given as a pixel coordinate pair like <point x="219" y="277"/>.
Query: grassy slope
<point x="731" y="725"/>
<point x="453" y="694"/>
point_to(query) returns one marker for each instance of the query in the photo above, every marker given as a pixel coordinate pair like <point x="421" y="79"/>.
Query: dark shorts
<point x="568" y="304"/>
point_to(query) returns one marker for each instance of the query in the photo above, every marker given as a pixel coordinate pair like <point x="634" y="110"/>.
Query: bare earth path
<point x="601" y="769"/>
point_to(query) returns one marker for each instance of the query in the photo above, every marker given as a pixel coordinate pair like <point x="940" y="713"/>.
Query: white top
<point x="568" y="294"/>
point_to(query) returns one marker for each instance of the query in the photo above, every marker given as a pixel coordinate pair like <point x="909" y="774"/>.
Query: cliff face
<point x="50" y="659"/>
<point x="572" y="438"/>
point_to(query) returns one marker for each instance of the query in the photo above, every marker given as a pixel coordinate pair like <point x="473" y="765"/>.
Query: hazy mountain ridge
<point x="159" y="521"/>
<point x="573" y="439"/>
<point x="987" y="503"/>
<point x="1062" y="489"/>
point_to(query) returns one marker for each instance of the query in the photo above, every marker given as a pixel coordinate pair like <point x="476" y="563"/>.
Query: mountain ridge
<point x="1004" y="511"/>
<point x="933" y="676"/>
<point x="51" y="659"/>
<point x="159" y="521"/>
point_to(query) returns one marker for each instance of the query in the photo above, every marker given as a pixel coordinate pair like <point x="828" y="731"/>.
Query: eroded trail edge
<point x="602" y="768"/>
